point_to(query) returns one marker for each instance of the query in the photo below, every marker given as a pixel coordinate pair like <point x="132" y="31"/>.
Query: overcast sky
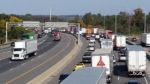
<point x="71" y="7"/>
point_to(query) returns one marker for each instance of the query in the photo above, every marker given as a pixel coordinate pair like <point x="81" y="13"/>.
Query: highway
<point x="119" y="74"/>
<point x="32" y="67"/>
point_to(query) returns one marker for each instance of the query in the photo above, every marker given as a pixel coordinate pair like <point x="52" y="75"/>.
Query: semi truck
<point x="106" y="43"/>
<point x="103" y="58"/>
<point x="120" y="42"/>
<point x="89" y="75"/>
<point x="23" y="49"/>
<point x="57" y="36"/>
<point x="28" y="36"/>
<point x="145" y="39"/>
<point x="136" y="60"/>
<point x="108" y="33"/>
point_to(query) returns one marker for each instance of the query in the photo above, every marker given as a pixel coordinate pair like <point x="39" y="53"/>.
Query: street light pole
<point x="78" y="32"/>
<point x="6" y="33"/>
<point x="145" y="23"/>
<point x="104" y="21"/>
<point x="115" y="24"/>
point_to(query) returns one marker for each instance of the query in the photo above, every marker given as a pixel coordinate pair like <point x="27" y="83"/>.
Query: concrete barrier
<point x="46" y="76"/>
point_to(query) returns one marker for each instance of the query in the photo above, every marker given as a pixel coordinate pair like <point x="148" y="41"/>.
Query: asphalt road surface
<point x="20" y="72"/>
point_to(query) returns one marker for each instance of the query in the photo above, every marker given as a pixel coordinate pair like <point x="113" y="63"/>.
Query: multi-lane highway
<point x="20" y="72"/>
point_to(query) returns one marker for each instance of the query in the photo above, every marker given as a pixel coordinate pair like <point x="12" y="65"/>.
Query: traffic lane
<point x="8" y="48"/>
<point x="69" y="68"/>
<point x="120" y="73"/>
<point x="30" y="69"/>
<point x="8" y="54"/>
<point x="7" y="64"/>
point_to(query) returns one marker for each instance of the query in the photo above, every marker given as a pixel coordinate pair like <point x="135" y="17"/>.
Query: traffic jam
<point x="103" y="59"/>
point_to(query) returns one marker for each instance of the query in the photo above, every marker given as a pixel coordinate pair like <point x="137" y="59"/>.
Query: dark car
<point x="132" y="82"/>
<point x="86" y="57"/>
<point x="39" y="35"/>
<point x="12" y="44"/>
<point x="63" y="76"/>
<point x="134" y="39"/>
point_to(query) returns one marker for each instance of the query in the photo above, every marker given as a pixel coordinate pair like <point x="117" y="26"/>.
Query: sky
<point x="71" y="7"/>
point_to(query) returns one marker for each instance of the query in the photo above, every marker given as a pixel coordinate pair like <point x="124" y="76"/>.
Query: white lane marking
<point x="11" y="69"/>
<point x="4" y="58"/>
<point x="5" y="52"/>
<point x="146" y="80"/>
<point x="118" y="71"/>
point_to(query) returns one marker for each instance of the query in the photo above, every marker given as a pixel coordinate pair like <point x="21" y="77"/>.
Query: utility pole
<point x="116" y="24"/>
<point x="104" y="21"/>
<point x="78" y="32"/>
<point x="130" y="25"/>
<point x="50" y="15"/>
<point x="6" y="33"/>
<point x="145" y="23"/>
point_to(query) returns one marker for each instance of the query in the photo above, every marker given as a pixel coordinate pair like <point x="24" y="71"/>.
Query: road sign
<point x="56" y="24"/>
<point x="100" y="62"/>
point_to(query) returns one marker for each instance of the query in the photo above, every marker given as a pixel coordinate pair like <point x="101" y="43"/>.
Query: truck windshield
<point x="17" y="49"/>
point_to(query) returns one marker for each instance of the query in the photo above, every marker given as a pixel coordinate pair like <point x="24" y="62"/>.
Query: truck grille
<point x="16" y="55"/>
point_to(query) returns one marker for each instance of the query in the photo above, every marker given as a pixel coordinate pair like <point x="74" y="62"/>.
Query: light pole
<point x="78" y="32"/>
<point x="116" y="24"/>
<point x="145" y="23"/>
<point x="6" y="33"/>
<point x="104" y="21"/>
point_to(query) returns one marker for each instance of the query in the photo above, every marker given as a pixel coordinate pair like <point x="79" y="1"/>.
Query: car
<point x="134" y="39"/>
<point x="12" y="44"/>
<point x="91" y="43"/>
<point x="63" y="76"/>
<point x="91" y="48"/>
<point x="132" y="82"/>
<point x="39" y="36"/>
<point x="88" y="37"/>
<point x="86" y="58"/>
<point x="92" y="39"/>
<point x="79" y="65"/>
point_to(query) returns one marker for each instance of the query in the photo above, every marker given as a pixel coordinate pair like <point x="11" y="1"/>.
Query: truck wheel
<point x="27" y="56"/>
<point x="35" y="53"/>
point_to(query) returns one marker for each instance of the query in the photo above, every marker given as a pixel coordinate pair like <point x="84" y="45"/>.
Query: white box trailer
<point x="145" y="39"/>
<point x="106" y="43"/>
<point x="23" y="49"/>
<point x="94" y="30"/>
<point x="136" y="60"/>
<point x="120" y="41"/>
<point x="89" y="75"/>
<point x="103" y="58"/>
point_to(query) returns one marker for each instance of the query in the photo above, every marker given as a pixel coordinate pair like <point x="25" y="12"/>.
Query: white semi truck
<point x="120" y="41"/>
<point x="136" y="60"/>
<point x="103" y="58"/>
<point x="89" y="75"/>
<point x="145" y="39"/>
<point x="23" y="49"/>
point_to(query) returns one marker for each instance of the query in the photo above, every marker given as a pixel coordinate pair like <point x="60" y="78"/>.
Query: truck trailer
<point x="136" y="60"/>
<point x="120" y="42"/>
<point x="145" y="39"/>
<point x="103" y="58"/>
<point x="89" y="75"/>
<point x="106" y="43"/>
<point x="23" y="49"/>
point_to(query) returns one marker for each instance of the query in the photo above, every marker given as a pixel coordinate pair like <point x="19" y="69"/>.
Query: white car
<point x="91" y="48"/>
<point x="91" y="43"/>
<point x="92" y="39"/>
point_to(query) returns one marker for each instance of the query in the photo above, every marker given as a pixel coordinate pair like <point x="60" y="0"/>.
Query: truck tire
<point x="27" y="56"/>
<point x="35" y="53"/>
